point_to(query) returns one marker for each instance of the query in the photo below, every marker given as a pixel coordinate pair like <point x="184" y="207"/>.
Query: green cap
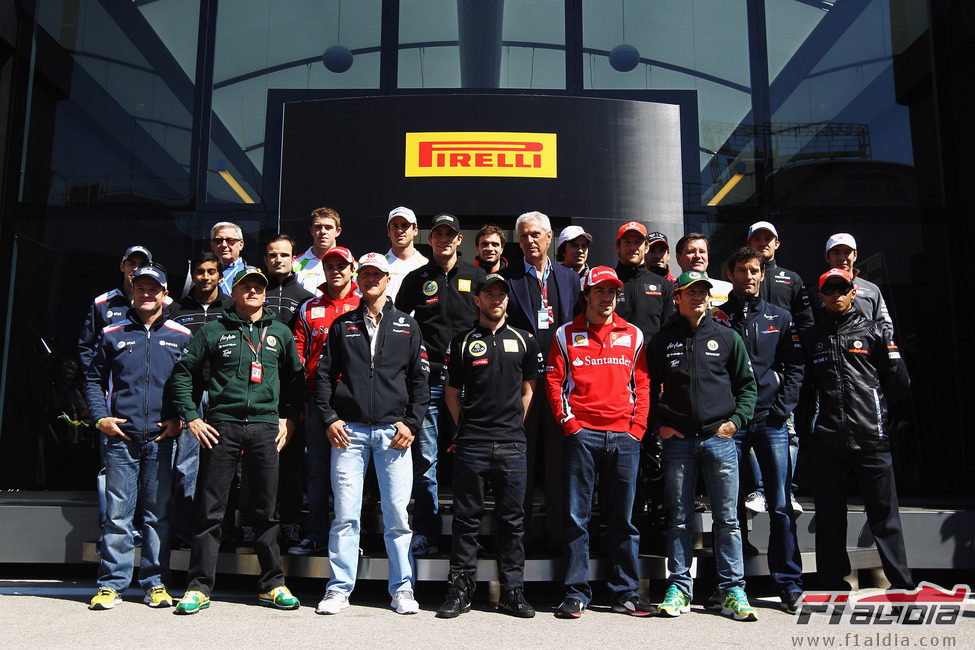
<point x="687" y="278"/>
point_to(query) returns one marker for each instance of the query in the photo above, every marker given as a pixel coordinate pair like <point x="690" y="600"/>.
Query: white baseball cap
<point x="839" y="239"/>
<point x="376" y="260"/>
<point x="571" y="232"/>
<point x="406" y="213"/>
<point x="762" y="225"/>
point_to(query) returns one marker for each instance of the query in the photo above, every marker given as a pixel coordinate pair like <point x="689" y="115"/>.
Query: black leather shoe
<point x="570" y="608"/>
<point x="513" y="603"/>
<point x="458" y="600"/>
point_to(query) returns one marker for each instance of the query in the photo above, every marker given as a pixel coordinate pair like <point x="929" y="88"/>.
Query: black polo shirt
<point x="490" y="368"/>
<point x="442" y="304"/>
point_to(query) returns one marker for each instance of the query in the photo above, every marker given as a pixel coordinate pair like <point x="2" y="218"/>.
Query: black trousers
<point x="254" y="444"/>
<point x="874" y="474"/>
<point x="504" y="464"/>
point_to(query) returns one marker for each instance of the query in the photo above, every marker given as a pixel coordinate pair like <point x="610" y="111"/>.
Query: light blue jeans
<point x="717" y="461"/>
<point x="394" y="469"/>
<point x="136" y="472"/>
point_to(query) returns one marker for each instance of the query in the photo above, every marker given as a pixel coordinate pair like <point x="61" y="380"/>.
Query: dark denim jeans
<point x="717" y="460"/>
<point x="771" y="446"/>
<point x="136" y="472"/>
<point x="319" y="482"/>
<point x="617" y="456"/>
<point x="504" y="464"/>
<point x="426" y="504"/>
<point x="218" y="467"/>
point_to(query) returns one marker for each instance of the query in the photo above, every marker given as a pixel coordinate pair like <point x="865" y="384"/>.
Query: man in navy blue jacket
<point x="132" y="360"/>
<point x="772" y="343"/>
<point x="542" y="298"/>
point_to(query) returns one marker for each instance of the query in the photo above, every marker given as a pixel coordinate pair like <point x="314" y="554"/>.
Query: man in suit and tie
<point x="542" y="298"/>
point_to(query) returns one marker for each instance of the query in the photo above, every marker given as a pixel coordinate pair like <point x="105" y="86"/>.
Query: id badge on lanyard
<point x="544" y="316"/>
<point x="257" y="369"/>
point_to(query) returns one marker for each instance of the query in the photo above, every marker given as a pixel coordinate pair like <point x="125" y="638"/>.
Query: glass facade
<point x="146" y="121"/>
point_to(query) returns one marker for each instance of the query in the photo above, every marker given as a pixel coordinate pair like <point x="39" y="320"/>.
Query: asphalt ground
<point x="50" y="611"/>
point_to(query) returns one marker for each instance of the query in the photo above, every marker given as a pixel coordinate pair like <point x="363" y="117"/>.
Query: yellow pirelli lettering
<point x="475" y="153"/>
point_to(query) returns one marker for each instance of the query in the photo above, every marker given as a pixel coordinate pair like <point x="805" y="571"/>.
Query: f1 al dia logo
<point x="929" y="604"/>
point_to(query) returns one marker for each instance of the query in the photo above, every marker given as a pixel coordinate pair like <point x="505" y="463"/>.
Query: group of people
<point x="593" y="369"/>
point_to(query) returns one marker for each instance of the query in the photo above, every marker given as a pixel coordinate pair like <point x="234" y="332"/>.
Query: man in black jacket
<point x="284" y="293"/>
<point x="371" y="388"/>
<point x="773" y="347"/>
<point x="856" y="369"/>
<point x="440" y="296"/>
<point x="780" y="286"/>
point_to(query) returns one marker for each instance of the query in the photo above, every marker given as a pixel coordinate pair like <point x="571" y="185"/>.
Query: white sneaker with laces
<point x="756" y="502"/>
<point x="332" y="603"/>
<point x="404" y="603"/>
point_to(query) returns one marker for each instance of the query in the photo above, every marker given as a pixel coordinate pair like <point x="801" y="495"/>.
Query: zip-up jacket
<point x="647" y="300"/>
<point x="700" y="379"/>
<point x="597" y="377"/>
<point x="353" y="385"/>
<point x="311" y="326"/>
<point x="136" y="363"/>
<point x="784" y="288"/>
<point x="193" y="314"/>
<point x="868" y="301"/>
<point x="285" y="298"/>
<point x="107" y="308"/>
<point x="855" y="368"/>
<point x="443" y="305"/>
<point x="233" y="396"/>
<point x="772" y="343"/>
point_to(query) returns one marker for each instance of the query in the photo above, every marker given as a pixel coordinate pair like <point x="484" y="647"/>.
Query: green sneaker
<point x="280" y="597"/>
<point x="192" y="602"/>
<point x="105" y="599"/>
<point x="675" y="602"/>
<point x="736" y="606"/>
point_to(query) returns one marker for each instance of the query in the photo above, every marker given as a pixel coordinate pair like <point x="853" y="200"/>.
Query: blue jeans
<point x="618" y="456"/>
<point x="394" y="469"/>
<point x="186" y="467"/>
<point x="717" y="460"/>
<point x="136" y="472"/>
<point x="771" y="446"/>
<point x="426" y="504"/>
<point x="319" y="458"/>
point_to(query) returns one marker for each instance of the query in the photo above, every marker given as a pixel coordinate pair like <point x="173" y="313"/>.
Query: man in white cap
<point x="573" y="250"/>
<point x="841" y="253"/>
<point x="325" y="227"/>
<point x="402" y="257"/>
<point x="780" y="286"/>
<point x="371" y="388"/>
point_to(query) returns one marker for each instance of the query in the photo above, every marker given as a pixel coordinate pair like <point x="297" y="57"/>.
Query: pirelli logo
<point x="471" y="153"/>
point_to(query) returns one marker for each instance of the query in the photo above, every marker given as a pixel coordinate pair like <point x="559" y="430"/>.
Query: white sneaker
<point x="756" y="502"/>
<point x="333" y="603"/>
<point x="796" y="506"/>
<point x="404" y="603"/>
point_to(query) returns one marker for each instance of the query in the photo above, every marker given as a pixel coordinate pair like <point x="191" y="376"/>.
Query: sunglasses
<point x="229" y="241"/>
<point x="834" y="289"/>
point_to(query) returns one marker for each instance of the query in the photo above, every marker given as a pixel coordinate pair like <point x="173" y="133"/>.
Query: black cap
<point x="490" y="279"/>
<point x="445" y="219"/>
<point x="655" y="237"/>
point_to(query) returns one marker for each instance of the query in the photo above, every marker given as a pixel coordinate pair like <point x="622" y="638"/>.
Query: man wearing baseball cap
<point x="325" y="227"/>
<point x="841" y="253"/>
<point x="135" y="356"/>
<point x="371" y="388"/>
<point x="340" y="295"/>
<point x="402" y="257"/>
<point x="781" y="287"/>
<point x="599" y="388"/>
<point x="490" y="374"/>
<point x="573" y="250"/>
<point x="440" y="296"/>
<point x="703" y="391"/>
<point x="658" y="255"/>
<point x="856" y="371"/>
<point x="255" y="401"/>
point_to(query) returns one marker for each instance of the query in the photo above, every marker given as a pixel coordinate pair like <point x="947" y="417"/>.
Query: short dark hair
<point x="489" y="229"/>
<point x="682" y="242"/>
<point x="201" y="258"/>
<point x="743" y="254"/>
<point x="280" y="237"/>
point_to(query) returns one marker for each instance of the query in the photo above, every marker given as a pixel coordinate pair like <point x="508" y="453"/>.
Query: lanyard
<point x="257" y="352"/>
<point x="543" y="283"/>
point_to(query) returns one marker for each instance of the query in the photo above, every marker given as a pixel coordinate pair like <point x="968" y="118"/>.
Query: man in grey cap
<point x="573" y="250"/>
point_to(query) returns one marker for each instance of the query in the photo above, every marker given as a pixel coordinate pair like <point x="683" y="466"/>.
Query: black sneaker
<point x="714" y="601"/>
<point x="634" y="606"/>
<point x="570" y="608"/>
<point x="790" y="601"/>
<point x="513" y="603"/>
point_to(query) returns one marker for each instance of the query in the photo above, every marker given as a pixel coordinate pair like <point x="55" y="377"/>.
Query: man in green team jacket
<point x="255" y="400"/>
